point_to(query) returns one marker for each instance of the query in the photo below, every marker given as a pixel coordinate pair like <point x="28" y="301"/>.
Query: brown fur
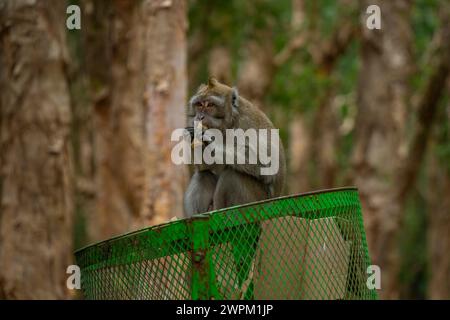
<point x="237" y="183"/>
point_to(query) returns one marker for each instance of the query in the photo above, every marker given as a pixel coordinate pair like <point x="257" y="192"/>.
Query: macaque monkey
<point x="215" y="186"/>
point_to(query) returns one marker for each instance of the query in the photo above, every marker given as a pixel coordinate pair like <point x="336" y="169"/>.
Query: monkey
<point x="216" y="186"/>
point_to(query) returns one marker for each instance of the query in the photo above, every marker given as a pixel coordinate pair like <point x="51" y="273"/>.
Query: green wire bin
<point x="307" y="246"/>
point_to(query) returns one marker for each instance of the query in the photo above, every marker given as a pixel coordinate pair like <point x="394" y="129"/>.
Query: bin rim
<point x="161" y="225"/>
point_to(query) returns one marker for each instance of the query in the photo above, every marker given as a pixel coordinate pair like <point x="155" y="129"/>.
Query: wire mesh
<point x="308" y="246"/>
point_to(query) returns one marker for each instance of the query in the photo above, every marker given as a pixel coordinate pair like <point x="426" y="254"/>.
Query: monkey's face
<point x="212" y="106"/>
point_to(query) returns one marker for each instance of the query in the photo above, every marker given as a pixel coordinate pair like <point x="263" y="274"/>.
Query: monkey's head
<point x="214" y="104"/>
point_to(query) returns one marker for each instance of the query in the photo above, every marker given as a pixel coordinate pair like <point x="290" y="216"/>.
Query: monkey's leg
<point x="199" y="194"/>
<point x="234" y="188"/>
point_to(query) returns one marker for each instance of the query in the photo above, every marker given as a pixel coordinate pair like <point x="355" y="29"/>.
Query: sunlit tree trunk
<point x="137" y="106"/>
<point x="165" y="98"/>
<point x="35" y="182"/>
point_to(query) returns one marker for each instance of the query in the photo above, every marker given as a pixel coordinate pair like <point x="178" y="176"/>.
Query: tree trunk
<point x="438" y="232"/>
<point x="382" y="101"/>
<point x="35" y="181"/>
<point x="324" y="147"/>
<point x="119" y="124"/>
<point x="136" y="110"/>
<point x="299" y="155"/>
<point x="438" y="200"/>
<point x="165" y="100"/>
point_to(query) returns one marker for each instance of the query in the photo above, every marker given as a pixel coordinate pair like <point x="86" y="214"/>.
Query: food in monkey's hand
<point x="190" y="130"/>
<point x="197" y="135"/>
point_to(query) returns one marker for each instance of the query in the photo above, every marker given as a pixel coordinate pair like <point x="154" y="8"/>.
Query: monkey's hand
<point x="190" y="131"/>
<point x="204" y="138"/>
<point x="207" y="137"/>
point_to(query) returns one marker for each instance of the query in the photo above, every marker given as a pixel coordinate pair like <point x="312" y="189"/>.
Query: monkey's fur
<point x="218" y="186"/>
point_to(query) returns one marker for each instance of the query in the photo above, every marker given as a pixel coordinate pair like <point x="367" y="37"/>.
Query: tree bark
<point x="35" y="181"/>
<point x="136" y="110"/>
<point x="439" y="177"/>
<point x="165" y="99"/>
<point x="380" y="148"/>
<point x="119" y="124"/>
<point x="325" y="146"/>
<point x="438" y="235"/>
<point x="299" y="155"/>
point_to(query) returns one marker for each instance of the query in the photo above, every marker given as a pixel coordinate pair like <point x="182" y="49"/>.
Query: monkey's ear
<point x="212" y="82"/>
<point x="235" y="98"/>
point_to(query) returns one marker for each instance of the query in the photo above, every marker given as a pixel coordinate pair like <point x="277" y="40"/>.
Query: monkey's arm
<point x="199" y="194"/>
<point x="256" y="168"/>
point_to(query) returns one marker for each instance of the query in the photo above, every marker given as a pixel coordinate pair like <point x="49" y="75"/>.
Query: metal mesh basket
<point x="308" y="246"/>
